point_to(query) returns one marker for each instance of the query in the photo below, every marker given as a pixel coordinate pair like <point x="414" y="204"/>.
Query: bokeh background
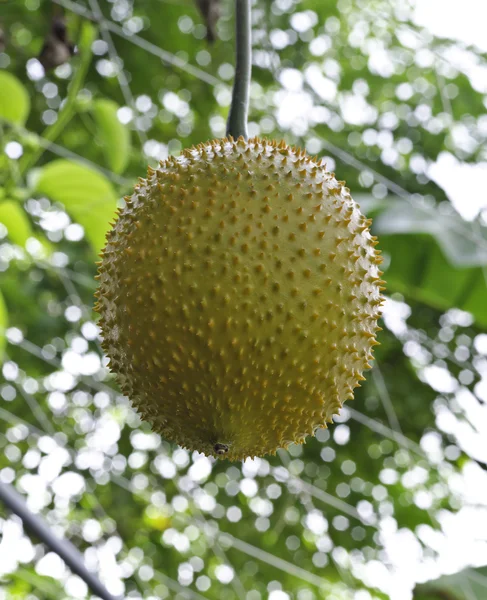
<point x="393" y="95"/>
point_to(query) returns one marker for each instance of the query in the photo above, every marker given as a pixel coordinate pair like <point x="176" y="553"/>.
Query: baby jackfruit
<point x="239" y="296"/>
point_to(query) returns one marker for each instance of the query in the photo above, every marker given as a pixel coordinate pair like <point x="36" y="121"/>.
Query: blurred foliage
<point x="444" y="266"/>
<point x="466" y="584"/>
<point x="363" y="508"/>
<point x="15" y="102"/>
<point x="86" y="194"/>
<point x="115" y="136"/>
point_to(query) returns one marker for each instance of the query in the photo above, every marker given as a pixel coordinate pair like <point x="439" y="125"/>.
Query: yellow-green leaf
<point x="87" y="195"/>
<point x="114" y="135"/>
<point x="3" y="325"/>
<point x="48" y="586"/>
<point x="14" y="99"/>
<point x="13" y="216"/>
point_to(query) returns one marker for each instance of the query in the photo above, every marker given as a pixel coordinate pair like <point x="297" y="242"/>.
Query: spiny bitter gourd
<point x="239" y="293"/>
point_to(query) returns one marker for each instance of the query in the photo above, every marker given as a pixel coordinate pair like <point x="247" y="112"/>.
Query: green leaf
<point x="435" y="258"/>
<point x="470" y="584"/>
<point x="87" y="195"/>
<point x="3" y="325"/>
<point x="14" y="99"/>
<point x="13" y="216"/>
<point x="461" y="242"/>
<point x="115" y="136"/>
<point x="50" y="587"/>
<point x="19" y="226"/>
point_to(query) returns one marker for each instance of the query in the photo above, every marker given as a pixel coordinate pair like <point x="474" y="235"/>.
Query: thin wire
<point x="73" y="292"/>
<point x="149" y="47"/>
<point x="308" y="505"/>
<point x="65" y="153"/>
<point x="79" y="278"/>
<point x="84" y="280"/>
<point x="425" y="341"/>
<point x="329" y="499"/>
<point x="244" y="547"/>
<point x="36" y="409"/>
<point x="13" y="419"/>
<point x="305" y="497"/>
<point x="220" y="552"/>
<point x="385" y="431"/>
<point x="447" y="107"/>
<point x="394" y="421"/>
<point x="478" y="577"/>
<point x="114" y="57"/>
<point x="33" y="349"/>
<point x="478" y="229"/>
<point x="272" y="560"/>
<point x="177" y="587"/>
<point x="380" y="385"/>
<point x="436" y="52"/>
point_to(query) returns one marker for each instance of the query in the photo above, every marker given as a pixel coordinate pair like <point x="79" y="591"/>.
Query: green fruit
<point x="239" y="297"/>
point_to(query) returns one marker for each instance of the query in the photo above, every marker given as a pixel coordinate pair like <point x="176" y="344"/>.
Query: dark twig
<point x="237" y="118"/>
<point x="210" y="9"/>
<point x="57" y="49"/>
<point x="64" y="548"/>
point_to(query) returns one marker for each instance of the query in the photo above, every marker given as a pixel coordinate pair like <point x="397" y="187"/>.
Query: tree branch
<point x="237" y="117"/>
<point x="64" y="548"/>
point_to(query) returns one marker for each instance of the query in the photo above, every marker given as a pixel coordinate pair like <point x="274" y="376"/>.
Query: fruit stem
<point x="239" y="109"/>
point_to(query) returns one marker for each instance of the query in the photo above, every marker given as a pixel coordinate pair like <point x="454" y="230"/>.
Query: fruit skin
<point x="239" y="292"/>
